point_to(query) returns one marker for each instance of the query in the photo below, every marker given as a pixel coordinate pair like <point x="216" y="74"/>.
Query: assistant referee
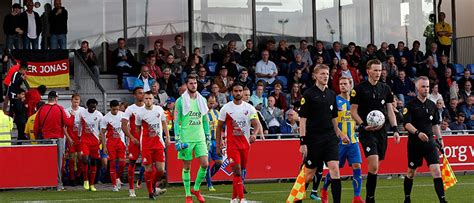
<point x="421" y="119"/>
<point x="319" y="132"/>
<point x="367" y="96"/>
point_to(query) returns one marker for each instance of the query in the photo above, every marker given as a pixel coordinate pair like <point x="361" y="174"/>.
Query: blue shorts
<point x="213" y="152"/>
<point x="103" y="155"/>
<point x="349" y="152"/>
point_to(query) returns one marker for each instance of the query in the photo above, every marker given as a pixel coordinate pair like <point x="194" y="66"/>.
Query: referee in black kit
<point x="421" y="120"/>
<point x="319" y="133"/>
<point x="368" y="96"/>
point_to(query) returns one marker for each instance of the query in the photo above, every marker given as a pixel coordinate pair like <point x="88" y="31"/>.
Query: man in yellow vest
<point x="6" y="126"/>
<point x="444" y="32"/>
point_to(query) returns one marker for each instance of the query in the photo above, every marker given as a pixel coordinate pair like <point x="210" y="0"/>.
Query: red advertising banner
<point x="280" y="159"/>
<point x="28" y="166"/>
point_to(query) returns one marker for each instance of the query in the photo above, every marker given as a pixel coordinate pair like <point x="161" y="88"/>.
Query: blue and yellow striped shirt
<point x="344" y="119"/>
<point x="213" y="118"/>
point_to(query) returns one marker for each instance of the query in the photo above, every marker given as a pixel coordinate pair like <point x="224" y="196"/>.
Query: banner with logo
<point x="45" y="67"/>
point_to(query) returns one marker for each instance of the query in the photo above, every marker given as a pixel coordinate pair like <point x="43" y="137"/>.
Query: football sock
<point x="317" y="179"/>
<point x="85" y="171"/>
<point x="215" y="168"/>
<point x="407" y="186"/>
<point x="121" y="168"/>
<point x="336" y="190"/>
<point x="357" y="181"/>
<point x="71" y="169"/>
<point x="149" y="181"/>
<point x="238" y="187"/>
<point x="326" y="184"/>
<point x="112" y="171"/>
<point x="186" y="181"/>
<point x="157" y="175"/>
<point x="201" y="174"/>
<point x="93" y="173"/>
<point x="208" y="176"/>
<point x="244" y="174"/>
<point x="439" y="188"/>
<point x="370" y="186"/>
<point x="131" y="174"/>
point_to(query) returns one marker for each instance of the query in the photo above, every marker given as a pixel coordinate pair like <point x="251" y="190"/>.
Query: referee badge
<point x="331" y="107"/>
<point x="405" y="111"/>
<point x="302" y="101"/>
<point x="431" y="117"/>
<point x="353" y="93"/>
<point x="383" y="102"/>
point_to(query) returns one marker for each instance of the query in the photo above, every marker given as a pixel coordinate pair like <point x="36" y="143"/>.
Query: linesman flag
<point x="298" y="192"/>
<point x="447" y="174"/>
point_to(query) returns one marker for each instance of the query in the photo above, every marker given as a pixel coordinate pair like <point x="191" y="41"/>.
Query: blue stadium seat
<point x="470" y="67"/>
<point x="459" y="71"/>
<point x="211" y="66"/>
<point x="283" y="80"/>
<point x="129" y="82"/>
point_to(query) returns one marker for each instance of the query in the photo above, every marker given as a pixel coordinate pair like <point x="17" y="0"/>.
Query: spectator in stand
<point x="368" y="55"/>
<point x="443" y="32"/>
<point x="215" y="56"/>
<point x="222" y="81"/>
<point x="298" y="64"/>
<point x="12" y="27"/>
<point x="401" y="51"/>
<point x="297" y="79"/>
<point x="405" y="65"/>
<point x="453" y="108"/>
<point x="30" y="124"/>
<point x="385" y="79"/>
<point x="466" y="77"/>
<point x="336" y="51"/>
<point x="17" y="79"/>
<point x="416" y="56"/>
<point x="31" y="26"/>
<point x="159" y="52"/>
<point x="33" y="97"/>
<point x="249" y="57"/>
<point x="345" y="71"/>
<point x="169" y="114"/>
<point x="58" y="22"/>
<point x="266" y="70"/>
<point x="445" y="130"/>
<point x="433" y="52"/>
<point x="454" y="91"/>
<point x="284" y="56"/>
<point x="221" y="97"/>
<point x="352" y="57"/>
<point x="144" y="79"/>
<point x="295" y="94"/>
<point x="270" y="47"/>
<point x="319" y="60"/>
<point x="168" y="83"/>
<point x="50" y="123"/>
<point x="90" y="58"/>
<point x="159" y="95"/>
<point x="258" y="99"/>
<point x="334" y="64"/>
<point x="320" y="51"/>
<point x="123" y="60"/>
<point x="468" y="109"/>
<point x="304" y="52"/>
<point x="176" y="68"/>
<point x="179" y="51"/>
<point x="19" y="113"/>
<point x="383" y="53"/>
<point x="234" y="56"/>
<point x="466" y="91"/>
<point x="192" y="66"/>
<point x="403" y="87"/>
<point x="273" y="116"/>
<point x="46" y="27"/>
<point x="204" y="82"/>
<point x="290" y="125"/>
<point x="446" y="82"/>
<point x="434" y="96"/>
<point x="442" y="110"/>
<point x="428" y="69"/>
<point x="429" y="32"/>
<point x="391" y="67"/>
<point x="280" y="98"/>
<point x="444" y="65"/>
<point x="244" y="79"/>
<point x="459" y="123"/>
<point x="231" y="66"/>
<point x="197" y="51"/>
<point x="263" y="125"/>
<point x="155" y="70"/>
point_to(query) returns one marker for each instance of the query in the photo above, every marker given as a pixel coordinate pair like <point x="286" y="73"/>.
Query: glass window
<point x="136" y="21"/>
<point x="219" y="21"/>
<point x="286" y="19"/>
<point x="355" y="17"/>
<point x="401" y="20"/>
<point x="327" y="21"/>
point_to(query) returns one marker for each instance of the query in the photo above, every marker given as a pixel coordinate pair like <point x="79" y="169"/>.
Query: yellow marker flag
<point x="298" y="192"/>
<point x="447" y="174"/>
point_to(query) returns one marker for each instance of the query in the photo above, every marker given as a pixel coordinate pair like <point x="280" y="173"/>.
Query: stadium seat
<point x="459" y="68"/>
<point x="283" y="80"/>
<point x="128" y="82"/>
<point x="211" y="66"/>
<point x="470" y="67"/>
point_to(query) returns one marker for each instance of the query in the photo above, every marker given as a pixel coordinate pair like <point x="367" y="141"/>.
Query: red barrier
<point x="28" y="166"/>
<point x="280" y="159"/>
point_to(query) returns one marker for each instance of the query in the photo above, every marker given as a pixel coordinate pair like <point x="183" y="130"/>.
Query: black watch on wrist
<point x="394" y="129"/>
<point x="360" y="127"/>
<point x="302" y="140"/>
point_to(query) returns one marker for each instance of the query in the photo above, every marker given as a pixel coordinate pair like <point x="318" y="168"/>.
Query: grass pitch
<point x="387" y="191"/>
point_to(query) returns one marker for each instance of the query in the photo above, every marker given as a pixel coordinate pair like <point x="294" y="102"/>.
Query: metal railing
<point x="464" y="50"/>
<point x="87" y="85"/>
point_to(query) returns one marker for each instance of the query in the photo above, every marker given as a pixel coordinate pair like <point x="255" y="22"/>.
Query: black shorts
<point x="417" y="151"/>
<point x="374" y="143"/>
<point x="324" y="149"/>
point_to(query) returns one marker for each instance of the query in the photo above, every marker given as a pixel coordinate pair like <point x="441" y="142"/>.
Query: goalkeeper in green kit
<point x="192" y="135"/>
